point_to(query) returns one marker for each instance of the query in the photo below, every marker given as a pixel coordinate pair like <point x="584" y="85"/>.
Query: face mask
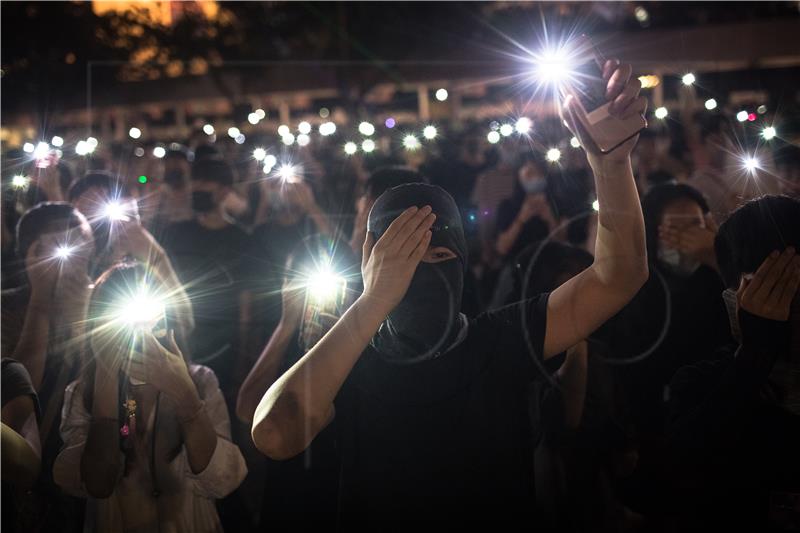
<point x="202" y="201"/>
<point x="424" y="323"/>
<point x="534" y="187"/>
<point x="676" y="262"/>
<point x="174" y="178"/>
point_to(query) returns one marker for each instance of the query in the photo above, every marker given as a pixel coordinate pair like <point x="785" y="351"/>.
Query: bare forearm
<point x="264" y="372"/>
<point x="620" y="250"/>
<point x="199" y="437"/>
<point x="31" y="349"/>
<point x="288" y="417"/>
<point x="506" y="240"/>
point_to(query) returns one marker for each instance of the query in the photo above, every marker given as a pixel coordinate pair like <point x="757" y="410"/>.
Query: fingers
<point x="787" y="287"/>
<point x="399" y="237"/>
<point x="575" y="125"/>
<point x="609" y="67"/>
<point x="171" y="344"/>
<point x="618" y="81"/>
<point x="765" y="278"/>
<point x="419" y="251"/>
<point x="398" y="223"/>
<point x="414" y="239"/>
<point x="627" y="97"/>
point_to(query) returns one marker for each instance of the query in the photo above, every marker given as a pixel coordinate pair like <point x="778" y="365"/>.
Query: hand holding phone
<point x="602" y="106"/>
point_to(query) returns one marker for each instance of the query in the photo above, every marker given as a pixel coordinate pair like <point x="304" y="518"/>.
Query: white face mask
<point x="677" y="262"/>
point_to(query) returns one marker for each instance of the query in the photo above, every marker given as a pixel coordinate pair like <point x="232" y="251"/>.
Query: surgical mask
<point x="202" y="201"/>
<point x="425" y="322"/>
<point x="534" y="187"/>
<point x="677" y="262"/>
<point x="174" y="178"/>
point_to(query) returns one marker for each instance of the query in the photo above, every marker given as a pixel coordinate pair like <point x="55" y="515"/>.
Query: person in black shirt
<point x="208" y="253"/>
<point x="735" y="418"/>
<point x="431" y="408"/>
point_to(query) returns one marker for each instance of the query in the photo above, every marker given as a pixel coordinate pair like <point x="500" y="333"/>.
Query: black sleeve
<point x="517" y="331"/>
<point x="710" y="402"/>
<point x="16" y="382"/>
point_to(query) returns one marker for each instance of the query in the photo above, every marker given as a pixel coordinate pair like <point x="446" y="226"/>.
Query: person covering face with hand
<point x="431" y="408"/>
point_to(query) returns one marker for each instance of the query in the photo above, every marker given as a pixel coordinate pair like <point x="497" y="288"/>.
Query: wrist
<point x="605" y="167"/>
<point x="371" y="310"/>
<point x="189" y="404"/>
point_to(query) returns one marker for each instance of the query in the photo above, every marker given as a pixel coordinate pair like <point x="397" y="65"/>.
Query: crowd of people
<point x="590" y="342"/>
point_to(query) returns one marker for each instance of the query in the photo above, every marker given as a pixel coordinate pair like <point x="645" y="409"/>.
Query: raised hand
<point x="696" y="242"/>
<point x="623" y="93"/>
<point x="389" y="264"/>
<point x="770" y="291"/>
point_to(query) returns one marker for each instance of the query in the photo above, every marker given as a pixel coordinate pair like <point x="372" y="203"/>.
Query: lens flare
<point x="553" y="155"/>
<point x="506" y="130"/>
<point x="553" y="66"/>
<point x="493" y="137"/>
<point x="661" y="113"/>
<point x="140" y="310"/>
<point x="259" y="154"/>
<point x="159" y="152"/>
<point x="574" y="142"/>
<point x="441" y="95"/>
<point x="327" y="128"/>
<point x="28" y="148"/>
<point x="233" y="132"/>
<point x="303" y="139"/>
<point x="283" y="130"/>
<point x="324" y="285"/>
<point x="57" y="141"/>
<point x="288" y="139"/>
<point x="304" y="128"/>
<point x="429" y="132"/>
<point x="741" y="116"/>
<point x="134" y="133"/>
<point x="208" y="129"/>
<point x="19" y="181"/>
<point x="751" y="163"/>
<point x="365" y="128"/>
<point x="368" y="146"/>
<point x="769" y="133"/>
<point x="350" y="148"/>
<point x="711" y="104"/>
<point x="688" y="79"/>
<point x="63" y="252"/>
<point x="523" y="125"/>
<point x="410" y="142"/>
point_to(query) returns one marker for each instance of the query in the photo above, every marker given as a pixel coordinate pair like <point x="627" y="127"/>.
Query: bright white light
<point x="304" y="127"/>
<point x="429" y="132"/>
<point x="303" y="139"/>
<point x="661" y="113"/>
<point x="270" y="161"/>
<point x="506" y="130"/>
<point x="19" y="181"/>
<point x="410" y="142"/>
<point x="57" y="141"/>
<point x="368" y="145"/>
<point x="134" y="133"/>
<point x="324" y="285"/>
<point x="365" y="128"/>
<point x="350" y="148"/>
<point x="553" y="66"/>
<point x="233" y="132"/>
<point x="91" y="142"/>
<point x="574" y="142"/>
<point x="741" y="116"/>
<point x="41" y="150"/>
<point x="283" y="130"/>
<point x="327" y="128"/>
<point x="240" y="138"/>
<point x="288" y="139"/>
<point x="252" y="118"/>
<point x="596" y="205"/>
<point x="711" y="104"/>
<point x="288" y="173"/>
<point x="769" y="133"/>
<point x="140" y="310"/>
<point x="259" y="154"/>
<point x="63" y="252"/>
<point x="493" y="137"/>
<point x="81" y="148"/>
<point x="553" y="155"/>
<point x="115" y="211"/>
<point x="688" y="79"/>
<point x="260" y="113"/>
<point x="159" y="152"/>
<point x="441" y="95"/>
<point x="28" y="148"/>
<point x="208" y="129"/>
<point x="751" y="163"/>
<point x="523" y="125"/>
<point x="641" y="14"/>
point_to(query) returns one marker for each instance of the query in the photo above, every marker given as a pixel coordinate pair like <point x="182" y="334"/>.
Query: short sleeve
<point x="16" y="382"/>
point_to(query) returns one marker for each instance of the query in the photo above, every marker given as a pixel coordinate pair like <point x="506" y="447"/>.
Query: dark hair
<point x="388" y="177"/>
<point x="44" y="218"/>
<point x="98" y="180"/>
<point x="753" y="231"/>
<point x="213" y="169"/>
<point x="552" y="260"/>
<point x="656" y="200"/>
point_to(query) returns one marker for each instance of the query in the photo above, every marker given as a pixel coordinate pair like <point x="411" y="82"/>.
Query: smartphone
<point x="321" y="313"/>
<point x="588" y="88"/>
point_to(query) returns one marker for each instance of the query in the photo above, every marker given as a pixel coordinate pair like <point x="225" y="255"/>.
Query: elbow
<point x="271" y="440"/>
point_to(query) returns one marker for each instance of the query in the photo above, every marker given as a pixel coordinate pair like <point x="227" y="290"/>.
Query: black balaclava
<point x="426" y="321"/>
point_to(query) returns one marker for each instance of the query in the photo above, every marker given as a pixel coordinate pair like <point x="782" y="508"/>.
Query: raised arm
<point x="583" y="303"/>
<point x="288" y="417"/>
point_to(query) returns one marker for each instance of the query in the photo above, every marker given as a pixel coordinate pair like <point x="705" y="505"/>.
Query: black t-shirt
<point x="210" y="265"/>
<point x="446" y="441"/>
<point x="534" y="229"/>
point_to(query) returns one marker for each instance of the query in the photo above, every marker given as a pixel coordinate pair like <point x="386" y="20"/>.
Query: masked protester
<point x="735" y="417"/>
<point x="208" y="253"/>
<point x="41" y="321"/>
<point x="321" y="279"/>
<point x="146" y="434"/>
<point x="432" y="421"/>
